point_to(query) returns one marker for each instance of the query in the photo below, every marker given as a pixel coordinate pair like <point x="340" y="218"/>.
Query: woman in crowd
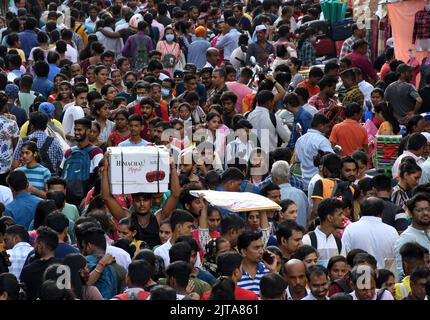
<point x="79" y="275"/>
<point x="37" y="174"/>
<point x="64" y="97"/>
<point x="101" y="112"/>
<point x="121" y="131"/>
<point x="389" y="124"/>
<point x="409" y="176"/>
<point x="307" y="254"/>
<point x="339" y="270"/>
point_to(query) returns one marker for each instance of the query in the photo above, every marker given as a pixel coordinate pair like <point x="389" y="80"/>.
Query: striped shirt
<point x="55" y="153"/>
<point x="399" y="196"/>
<point x="253" y="284"/>
<point x="37" y="176"/>
<point x="17" y="257"/>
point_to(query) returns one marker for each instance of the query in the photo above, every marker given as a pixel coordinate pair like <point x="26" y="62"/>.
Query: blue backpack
<point x="76" y="171"/>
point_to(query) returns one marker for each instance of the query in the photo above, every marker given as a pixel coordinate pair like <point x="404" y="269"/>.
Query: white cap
<point x="390" y="42"/>
<point x="427" y="135"/>
<point x="260" y="27"/>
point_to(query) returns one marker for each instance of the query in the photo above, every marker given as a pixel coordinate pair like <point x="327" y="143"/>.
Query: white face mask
<point x="427" y="7"/>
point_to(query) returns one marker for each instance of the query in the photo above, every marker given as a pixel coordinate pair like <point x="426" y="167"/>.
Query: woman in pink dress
<point x="170" y="50"/>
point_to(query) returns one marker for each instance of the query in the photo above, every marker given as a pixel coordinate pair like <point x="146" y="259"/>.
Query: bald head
<point x="295" y="275"/>
<point x="212" y="56"/>
<point x="294" y="266"/>
<point x="212" y="52"/>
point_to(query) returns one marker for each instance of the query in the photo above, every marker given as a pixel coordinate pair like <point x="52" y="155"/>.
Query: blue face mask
<point x="165" y="92"/>
<point x="138" y="98"/>
<point x="170" y="37"/>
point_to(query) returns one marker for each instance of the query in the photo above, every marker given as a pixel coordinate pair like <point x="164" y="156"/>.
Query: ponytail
<point x="387" y="112"/>
<point x="32" y="146"/>
<point x="408" y="166"/>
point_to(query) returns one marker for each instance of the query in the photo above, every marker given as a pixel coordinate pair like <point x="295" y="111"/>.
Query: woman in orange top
<point x="390" y="125"/>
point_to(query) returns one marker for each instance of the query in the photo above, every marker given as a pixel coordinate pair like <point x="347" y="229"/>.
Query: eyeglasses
<point x="420" y="210"/>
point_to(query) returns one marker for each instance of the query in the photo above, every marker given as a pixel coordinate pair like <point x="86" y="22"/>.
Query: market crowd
<point x="340" y="142"/>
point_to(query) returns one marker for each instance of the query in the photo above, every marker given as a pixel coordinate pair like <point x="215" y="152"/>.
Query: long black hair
<point x="9" y="284"/>
<point x="76" y="262"/>
<point x="387" y="112"/>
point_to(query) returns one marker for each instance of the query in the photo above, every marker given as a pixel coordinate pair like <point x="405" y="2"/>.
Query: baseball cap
<point x="190" y="67"/>
<point x="260" y="27"/>
<point x="11" y="91"/>
<point x="427" y="135"/>
<point x="178" y="74"/>
<point x="48" y="108"/>
<point x="390" y="42"/>
<point x="401" y="68"/>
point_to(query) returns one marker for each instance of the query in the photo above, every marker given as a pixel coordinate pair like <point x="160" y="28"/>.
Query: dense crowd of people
<point x="238" y="94"/>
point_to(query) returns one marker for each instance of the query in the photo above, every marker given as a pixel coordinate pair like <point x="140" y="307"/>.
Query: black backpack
<point x="43" y="153"/>
<point x="314" y="241"/>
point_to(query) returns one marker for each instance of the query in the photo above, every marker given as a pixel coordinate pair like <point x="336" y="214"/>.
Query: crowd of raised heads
<point x="246" y="97"/>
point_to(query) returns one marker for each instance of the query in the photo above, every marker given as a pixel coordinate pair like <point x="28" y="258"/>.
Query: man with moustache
<point x="419" y="230"/>
<point x="295" y="275"/>
<point x="44" y="248"/>
<point x="318" y="283"/>
<point x="82" y="128"/>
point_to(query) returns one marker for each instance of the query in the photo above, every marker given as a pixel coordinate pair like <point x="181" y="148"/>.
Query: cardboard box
<point x="139" y="169"/>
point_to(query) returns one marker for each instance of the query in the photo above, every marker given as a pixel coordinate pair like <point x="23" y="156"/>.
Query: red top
<point x="362" y="61"/>
<point x="239" y="294"/>
<point x="213" y="235"/>
<point x="116" y="139"/>
<point x="312" y="90"/>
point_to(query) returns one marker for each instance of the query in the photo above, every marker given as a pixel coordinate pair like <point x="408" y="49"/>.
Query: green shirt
<point x="71" y="212"/>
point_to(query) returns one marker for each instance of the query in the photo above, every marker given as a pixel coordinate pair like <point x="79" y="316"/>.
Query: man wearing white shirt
<point x="295" y="275"/>
<point x="417" y="144"/>
<point x="308" y="146"/>
<point x="18" y="247"/>
<point x="330" y="212"/>
<point x="365" y="87"/>
<point x="181" y="222"/>
<point x="76" y="111"/>
<point x="367" y="290"/>
<point x="91" y="21"/>
<point x="318" y="283"/>
<point x="370" y="233"/>
<point x="230" y="38"/>
<point x="71" y="52"/>
<point x="6" y="196"/>
<point x="121" y="256"/>
<point x="263" y="120"/>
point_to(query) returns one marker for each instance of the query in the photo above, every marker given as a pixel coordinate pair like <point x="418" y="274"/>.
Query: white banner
<point x="237" y="201"/>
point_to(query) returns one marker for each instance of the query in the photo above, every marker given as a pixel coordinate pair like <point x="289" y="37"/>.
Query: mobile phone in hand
<point x="268" y="258"/>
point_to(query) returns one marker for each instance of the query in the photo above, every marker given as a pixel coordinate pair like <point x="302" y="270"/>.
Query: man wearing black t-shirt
<point x="392" y="215"/>
<point x="31" y="275"/>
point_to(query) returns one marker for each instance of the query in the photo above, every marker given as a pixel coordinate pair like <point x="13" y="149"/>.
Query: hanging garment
<point x="413" y="62"/>
<point x="421" y="33"/>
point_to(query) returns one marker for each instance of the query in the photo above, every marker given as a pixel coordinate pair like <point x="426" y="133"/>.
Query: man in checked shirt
<point x="38" y="124"/>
